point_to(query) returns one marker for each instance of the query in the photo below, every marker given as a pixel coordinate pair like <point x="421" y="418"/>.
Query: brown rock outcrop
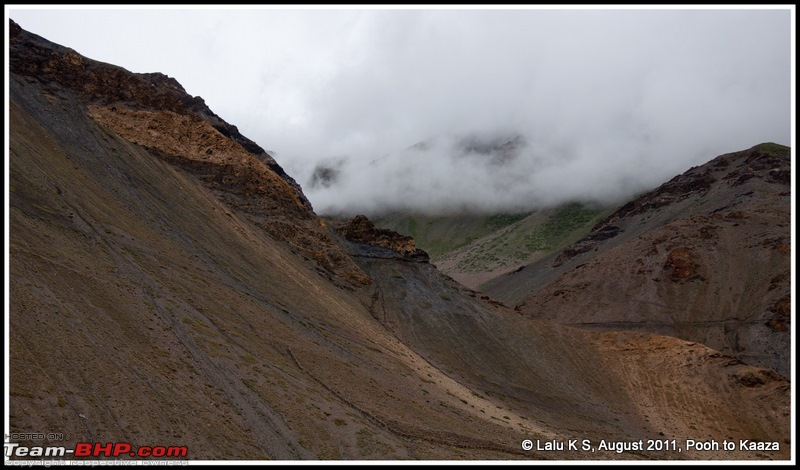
<point x="361" y="230"/>
<point x="681" y="264"/>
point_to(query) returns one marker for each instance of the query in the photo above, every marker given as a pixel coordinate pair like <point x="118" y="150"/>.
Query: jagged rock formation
<point x="361" y="230"/>
<point x="169" y="286"/>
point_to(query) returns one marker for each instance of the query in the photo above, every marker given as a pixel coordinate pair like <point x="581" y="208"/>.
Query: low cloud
<point x="608" y="104"/>
<point x="472" y="174"/>
<point x="374" y="110"/>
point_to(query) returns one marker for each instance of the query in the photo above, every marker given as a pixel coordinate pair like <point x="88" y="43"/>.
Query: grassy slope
<point x="476" y="248"/>
<point x="440" y="235"/>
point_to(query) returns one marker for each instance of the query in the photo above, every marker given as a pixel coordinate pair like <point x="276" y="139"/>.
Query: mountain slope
<point x="705" y="257"/>
<point x="439" y="235"/>
<point x="170" y="285"/>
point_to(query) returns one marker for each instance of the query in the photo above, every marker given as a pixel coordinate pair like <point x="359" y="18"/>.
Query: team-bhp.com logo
<point x="95" y="449"/>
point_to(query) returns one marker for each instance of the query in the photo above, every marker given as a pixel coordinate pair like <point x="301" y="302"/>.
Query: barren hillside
<point x="171" y="285"/>
<point x="705" y="257"/>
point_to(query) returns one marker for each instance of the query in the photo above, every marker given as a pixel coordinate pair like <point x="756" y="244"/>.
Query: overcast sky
<point x="604" y="103"/>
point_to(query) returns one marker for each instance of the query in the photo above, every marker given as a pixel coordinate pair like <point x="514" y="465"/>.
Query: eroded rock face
<point x="781" y="319"/>
<point x="244" y="182"/>
<point x="361" y="230"/>
<point x="61" y="68"/>
<point x="193" y="143"/>
<point x="680" y="263"/>
<point x="153" y="111"/>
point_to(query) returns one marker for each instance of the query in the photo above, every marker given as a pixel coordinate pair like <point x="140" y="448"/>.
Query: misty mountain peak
<point x="497" y="149"/>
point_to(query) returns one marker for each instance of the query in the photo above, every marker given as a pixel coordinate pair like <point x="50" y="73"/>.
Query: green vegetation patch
<point x="497" y="221"/>
<point x="551" y="234"/>
<point x="773" y="149"/>
<point x="439" y="235"/>
<point x="562" y="227"/>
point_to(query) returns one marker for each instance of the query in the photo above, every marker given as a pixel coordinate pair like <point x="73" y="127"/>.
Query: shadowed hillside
<point x="171" y="285"/>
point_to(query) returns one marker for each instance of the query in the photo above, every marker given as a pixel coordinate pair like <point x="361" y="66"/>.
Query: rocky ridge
<point x="704" y="257"/>
<point x="765" y="162"/>
<point x="105" y="84"/>
<point x="154" y="111"/>
<point x="361" y="230"/>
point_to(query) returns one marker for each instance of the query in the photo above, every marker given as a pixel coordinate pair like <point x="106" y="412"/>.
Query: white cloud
<point x="609" y="101"/>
